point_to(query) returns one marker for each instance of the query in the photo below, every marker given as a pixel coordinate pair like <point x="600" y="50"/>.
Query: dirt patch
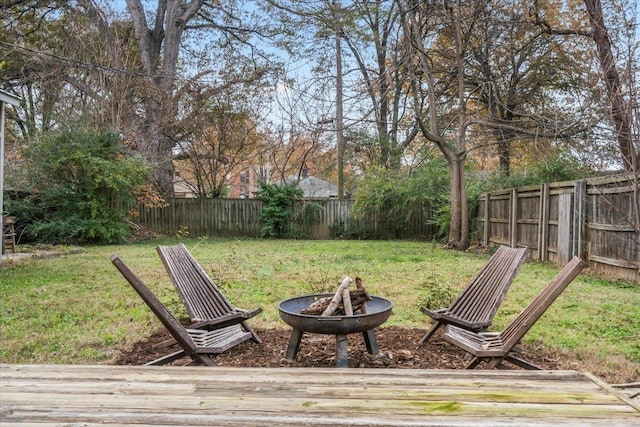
<point x="398" y="347"/>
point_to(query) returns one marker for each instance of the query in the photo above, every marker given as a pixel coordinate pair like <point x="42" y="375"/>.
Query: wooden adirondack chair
<point x="495" y="348"/>
<point x="199" y="344"/>
<point x="205" y="303"/>
<point x="478" y="303"/>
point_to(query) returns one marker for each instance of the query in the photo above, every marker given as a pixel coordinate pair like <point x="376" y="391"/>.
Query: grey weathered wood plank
<point x="495" y="393"/>
<point x="48" y="395"/>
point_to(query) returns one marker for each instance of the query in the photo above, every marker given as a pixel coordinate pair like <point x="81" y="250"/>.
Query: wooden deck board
<point x="56" y="395"/>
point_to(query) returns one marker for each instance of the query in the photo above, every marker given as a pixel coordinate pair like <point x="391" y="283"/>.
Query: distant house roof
<point x="315" y="188"/>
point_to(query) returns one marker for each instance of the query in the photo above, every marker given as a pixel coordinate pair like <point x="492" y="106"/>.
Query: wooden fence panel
<point x="564" y="239"/>
<point x="204" y="217"/>
<point x="614" y="242"/>
<point x="596" y="219"/>
<point x="322" y="219"/>
<point x="552" y="227"/>
<point x="499" y="211"/>
<point x="421" y="225"/>
<point x="315" y="219"/>
<point x="528" y="218"/>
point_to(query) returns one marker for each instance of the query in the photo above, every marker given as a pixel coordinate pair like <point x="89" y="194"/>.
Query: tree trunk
<point x="459" y="225"/>
<point x="621" y="114"/>
<point x="458" y="182"/>
<point x="504" y="138"/>
<point x="453" y="151"/>
<point x="159" y="49"/>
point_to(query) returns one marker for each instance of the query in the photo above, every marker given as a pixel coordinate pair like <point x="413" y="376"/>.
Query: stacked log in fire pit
<point x="345" y="302"/>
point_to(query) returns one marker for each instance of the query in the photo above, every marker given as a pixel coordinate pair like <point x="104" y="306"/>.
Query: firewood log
<point x="317" y="307"/>
<point x="346" y="302"/>
<point x="360" y="286"/>
<point x="358" y="298"/>
<point x="330" y="310"/>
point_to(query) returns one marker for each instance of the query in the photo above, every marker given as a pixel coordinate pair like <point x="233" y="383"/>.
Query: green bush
<point x="79" y="178"/>
<point x="436" y="295"/>
<point x="392" y="195"/>
<point x="556" y="169"/>
<point x="277" y="213"/>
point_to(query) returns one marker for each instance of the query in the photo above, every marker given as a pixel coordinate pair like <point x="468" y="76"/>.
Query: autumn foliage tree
<point x="218" y="141"/>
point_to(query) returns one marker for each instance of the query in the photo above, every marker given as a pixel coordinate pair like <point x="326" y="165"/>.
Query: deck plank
<point x="48" y="395"/>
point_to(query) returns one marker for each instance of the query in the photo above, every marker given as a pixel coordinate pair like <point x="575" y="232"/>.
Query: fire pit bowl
<point x="378" y="311"/>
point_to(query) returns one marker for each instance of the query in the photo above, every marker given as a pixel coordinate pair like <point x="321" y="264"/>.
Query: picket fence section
<point x="313" y="219"/>
<point x="203" y="217"/>
<point x="595" y="218"/>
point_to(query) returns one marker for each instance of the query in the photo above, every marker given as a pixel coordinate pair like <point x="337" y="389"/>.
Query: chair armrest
<point x="248" y="314"/>
<point x="220" y="322"/>
<point x="472" y="326"/>
<point x="226" y="320"/>
<point x="434" y="314"/>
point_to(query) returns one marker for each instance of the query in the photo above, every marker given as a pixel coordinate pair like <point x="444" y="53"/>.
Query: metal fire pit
<point x="378" y="311"/>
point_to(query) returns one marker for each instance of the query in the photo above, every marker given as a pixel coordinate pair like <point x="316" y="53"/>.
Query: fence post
<point x="513" y="219"/>
<point x="579" y="226"/>
<point x="564" y="244"/>
<point x="486" y="234"/>
<point x="544" y="222"/>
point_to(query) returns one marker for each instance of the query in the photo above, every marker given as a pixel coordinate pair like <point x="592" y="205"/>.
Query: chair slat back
<point x="481" y="298"/>
<point x="514" y="332"/>
<point x="175" y="328"/>
<point x="201" y="296"/>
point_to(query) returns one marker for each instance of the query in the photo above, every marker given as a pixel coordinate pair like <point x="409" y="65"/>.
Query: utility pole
<point x="339" y="117"/>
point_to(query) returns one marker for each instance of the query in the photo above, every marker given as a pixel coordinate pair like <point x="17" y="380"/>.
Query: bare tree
<point x="489" y="75"/>
<point x="299" y="140"/>
<point x="621" y="109"/>
<point x="64" y="67"/>
<point x="374" y="84"/>
<point x="130" y="75"/>
<point x="373" y="39"/>
<point x="518" y="73"/>
<point x="159" y="45"/>
<point x="420" y="22"/>
<point x="218" y="141"/>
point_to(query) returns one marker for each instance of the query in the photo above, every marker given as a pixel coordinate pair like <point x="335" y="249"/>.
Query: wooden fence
<point x="596" y="219"/>
<point x="203" y="217"/>
<point x="316" y="219"/>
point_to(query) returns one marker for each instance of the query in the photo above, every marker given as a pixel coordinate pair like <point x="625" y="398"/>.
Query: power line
<point x="76" y="63"/>
<point x="92" y="66"/>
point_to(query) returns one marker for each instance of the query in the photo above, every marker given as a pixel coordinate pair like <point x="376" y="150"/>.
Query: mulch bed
<point x="398" y="347"/>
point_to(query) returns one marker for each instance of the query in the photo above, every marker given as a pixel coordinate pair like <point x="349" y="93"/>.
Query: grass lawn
<point x="78" y="309"/>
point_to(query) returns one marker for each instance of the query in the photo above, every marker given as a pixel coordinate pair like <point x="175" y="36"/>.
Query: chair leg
<point x="430" y="333"/>
<point x="167" y="359"/>
<point x="522" y="363"/>
<point x="494" y="362"/>
<point x="254" y="337"/>
<point x="201" y="359"/>
<point x="166" y="343"/>
<point x="474" y="362"/>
